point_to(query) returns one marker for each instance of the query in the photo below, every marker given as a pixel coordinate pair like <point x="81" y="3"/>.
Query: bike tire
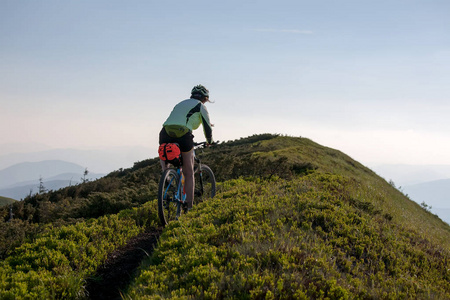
<point x="168" y="205"/>
<point x="205" y="184"/>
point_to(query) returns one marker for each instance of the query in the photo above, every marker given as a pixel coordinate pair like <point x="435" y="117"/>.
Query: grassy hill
<point x="6" y="201"/>
<point x="337" y="231"/>
<point x="292" y="219"/>
<point x="300" y="239"/>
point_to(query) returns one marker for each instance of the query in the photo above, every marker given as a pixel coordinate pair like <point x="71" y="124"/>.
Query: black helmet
<point x="200" y="90"/>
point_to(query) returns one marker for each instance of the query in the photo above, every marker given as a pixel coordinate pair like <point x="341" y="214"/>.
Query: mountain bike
<point x="171" y="196"/>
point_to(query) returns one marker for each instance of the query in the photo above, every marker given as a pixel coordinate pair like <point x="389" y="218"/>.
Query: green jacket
<point x="187" y="116"/>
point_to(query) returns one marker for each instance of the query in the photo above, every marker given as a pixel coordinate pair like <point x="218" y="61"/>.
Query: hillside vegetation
<point x="308" y="238"/>
<point x="291" y="220"/>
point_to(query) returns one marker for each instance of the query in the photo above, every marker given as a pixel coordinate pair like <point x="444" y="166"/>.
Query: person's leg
<point x="163" y="165"/>
<point x="188" y="173"/>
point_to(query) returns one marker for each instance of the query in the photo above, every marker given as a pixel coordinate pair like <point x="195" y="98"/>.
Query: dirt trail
<point x="118" y="270"/>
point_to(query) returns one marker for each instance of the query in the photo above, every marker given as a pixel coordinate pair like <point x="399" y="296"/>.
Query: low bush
<point x="310" y="238"/>
<point x="57" y="263"/>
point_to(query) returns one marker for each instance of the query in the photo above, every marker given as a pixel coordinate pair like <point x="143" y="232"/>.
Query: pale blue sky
<point x="370" y="78"/>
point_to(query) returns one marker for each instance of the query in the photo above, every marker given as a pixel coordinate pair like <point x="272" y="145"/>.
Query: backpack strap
<point x="162" y="151"/>
<point x="165" y="152"/>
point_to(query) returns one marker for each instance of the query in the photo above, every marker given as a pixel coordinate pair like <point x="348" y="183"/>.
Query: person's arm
<point x="207" y="126"/>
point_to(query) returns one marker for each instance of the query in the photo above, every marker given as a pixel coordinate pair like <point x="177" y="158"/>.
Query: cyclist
<point x="185" y="117"/>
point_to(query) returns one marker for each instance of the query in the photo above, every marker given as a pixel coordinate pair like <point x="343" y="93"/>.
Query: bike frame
<point x="179" y="196"/>
<point x="198" y="167"/>
<point x="171" y="196"/>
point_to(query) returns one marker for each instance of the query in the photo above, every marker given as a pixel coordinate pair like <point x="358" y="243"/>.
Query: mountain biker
<point x="185" y="117"/>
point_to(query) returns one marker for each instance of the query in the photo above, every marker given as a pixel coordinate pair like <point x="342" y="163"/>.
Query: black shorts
<point x="186" y="142"/>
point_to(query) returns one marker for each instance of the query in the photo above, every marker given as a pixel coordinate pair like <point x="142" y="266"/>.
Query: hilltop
<point x="291" y="219"/>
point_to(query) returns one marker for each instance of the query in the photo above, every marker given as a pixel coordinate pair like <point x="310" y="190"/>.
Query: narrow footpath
<point x="120" y="267"/>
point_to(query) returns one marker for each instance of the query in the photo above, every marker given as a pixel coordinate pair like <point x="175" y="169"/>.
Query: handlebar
<point x="205" y="144"/>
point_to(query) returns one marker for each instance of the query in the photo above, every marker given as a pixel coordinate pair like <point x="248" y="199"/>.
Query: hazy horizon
<point x="108" y="159"/>
<point x="367" y="78"/>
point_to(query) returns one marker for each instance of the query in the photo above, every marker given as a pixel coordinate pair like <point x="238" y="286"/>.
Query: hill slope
<point x="334" y="229"/>
<point x="292" y="219"/>
<point x="313" y="237"/>
<point x="6" y="201"/>
<point x="289" y="156"/>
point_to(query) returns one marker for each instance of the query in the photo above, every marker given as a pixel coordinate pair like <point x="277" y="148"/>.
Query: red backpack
<point x="170" y="153"/>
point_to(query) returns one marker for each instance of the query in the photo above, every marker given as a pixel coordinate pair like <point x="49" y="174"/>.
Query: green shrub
<point x="309" y="238"/>
<point x="57" y="263"/>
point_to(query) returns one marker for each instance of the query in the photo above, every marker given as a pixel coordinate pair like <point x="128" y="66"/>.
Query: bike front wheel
<point x="205" y="184"/>
<point x="168" y="202"/>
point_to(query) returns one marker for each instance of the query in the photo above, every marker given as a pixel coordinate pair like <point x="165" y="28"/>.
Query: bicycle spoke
<point x="205" y="184"/>
<point x="167" y="196"/>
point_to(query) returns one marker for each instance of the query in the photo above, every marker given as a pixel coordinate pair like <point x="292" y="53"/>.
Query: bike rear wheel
<point x="205" y="184"/>
<point x="168" y="203"/>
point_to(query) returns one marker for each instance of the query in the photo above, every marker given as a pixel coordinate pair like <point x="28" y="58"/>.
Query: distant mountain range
<point x="100" y="161"/>
<point x="422" y="183"/>
<point x="27" y="171"/>
<point x="407" y="175"/>
<point x="434" y="193"/>
<point x="20" y="171"/>
<point x="21" y="180"/>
